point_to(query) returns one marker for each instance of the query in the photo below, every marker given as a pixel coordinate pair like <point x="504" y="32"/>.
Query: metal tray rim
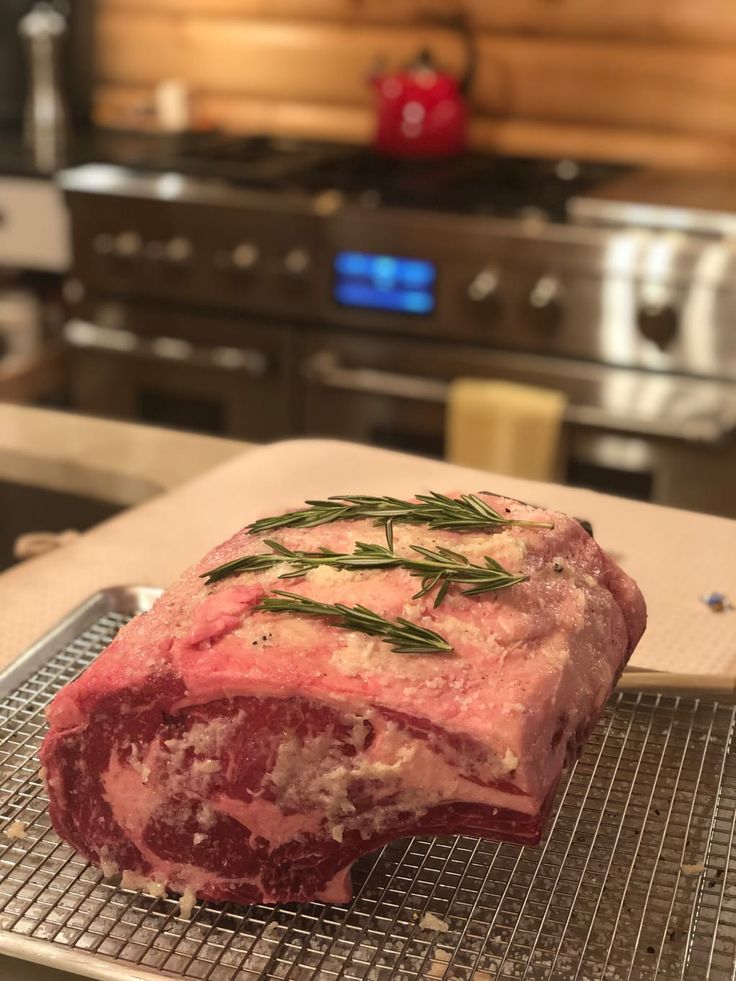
<point x="86" y="965"/>
<point x="112" y="599"/>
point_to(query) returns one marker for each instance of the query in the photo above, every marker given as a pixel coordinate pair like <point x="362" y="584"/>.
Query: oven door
<point x="191" y="371"/>
<point x="623" y="428"/>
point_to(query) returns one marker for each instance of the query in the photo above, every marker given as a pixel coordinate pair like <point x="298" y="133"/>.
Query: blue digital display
<point x="385" y="282"/>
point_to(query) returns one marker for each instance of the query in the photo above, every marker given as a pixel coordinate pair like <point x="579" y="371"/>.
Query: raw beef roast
<point x="229" y="752"/>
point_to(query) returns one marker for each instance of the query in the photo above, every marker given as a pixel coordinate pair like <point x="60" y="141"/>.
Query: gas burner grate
<point x="636" y="880"/>
<point x="468" y="184"/>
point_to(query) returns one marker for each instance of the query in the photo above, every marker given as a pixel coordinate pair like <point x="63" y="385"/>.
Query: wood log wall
<point x="639" y="80"/>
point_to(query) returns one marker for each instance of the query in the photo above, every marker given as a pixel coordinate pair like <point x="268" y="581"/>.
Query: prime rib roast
<point x="224" y="750"/>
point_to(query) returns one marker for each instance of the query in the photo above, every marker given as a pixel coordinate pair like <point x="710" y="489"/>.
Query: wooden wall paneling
<point x="652" y="20"/>
<point x="681" y="88"/>
<point x="588" y="142"/>
<point x="637" y="80"/>
<point x="308" y="62"/>
<point x="130" y="107"/>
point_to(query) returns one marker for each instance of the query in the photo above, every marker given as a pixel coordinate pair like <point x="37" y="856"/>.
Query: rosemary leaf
<point x="439" y="567"/>
<point x="441" y="593"/>
<point x="248" y="563"/>
<point x="404" y="636"/>
<point x="465" y="513"/>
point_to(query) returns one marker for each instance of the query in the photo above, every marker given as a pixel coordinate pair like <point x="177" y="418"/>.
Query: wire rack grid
<point x="636" y="879"/>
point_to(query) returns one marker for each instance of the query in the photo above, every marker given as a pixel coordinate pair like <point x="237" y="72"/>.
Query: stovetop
<point x="473" y="183"/>
<point x="470" y="184"/>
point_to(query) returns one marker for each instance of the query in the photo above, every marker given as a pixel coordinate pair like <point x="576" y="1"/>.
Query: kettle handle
<point x="457" y="22"/>
<point x="460" y="23"/>
<point x="463" y="26"/>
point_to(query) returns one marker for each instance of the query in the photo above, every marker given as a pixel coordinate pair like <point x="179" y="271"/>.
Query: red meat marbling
<point x="229" y="753"/>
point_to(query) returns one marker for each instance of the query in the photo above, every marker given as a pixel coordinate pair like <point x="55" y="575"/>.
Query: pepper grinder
<point x="43" y="30"/>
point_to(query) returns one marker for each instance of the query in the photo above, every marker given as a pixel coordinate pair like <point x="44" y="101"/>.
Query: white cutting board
<point x="676" y="556"/>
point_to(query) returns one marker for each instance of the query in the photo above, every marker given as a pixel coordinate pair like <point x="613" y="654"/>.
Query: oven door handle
<point x="95" y="337"/>
<point x="325" y="369"/>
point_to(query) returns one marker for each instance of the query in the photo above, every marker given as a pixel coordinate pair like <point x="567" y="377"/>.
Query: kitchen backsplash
<point x="634" y="80"/>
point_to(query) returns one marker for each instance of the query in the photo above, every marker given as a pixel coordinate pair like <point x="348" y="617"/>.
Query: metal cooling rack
<point x="637" y="879"/>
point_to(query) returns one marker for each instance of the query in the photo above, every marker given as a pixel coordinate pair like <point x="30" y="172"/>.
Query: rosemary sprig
<point x="444" y="567"/>
<point x="405" y="636"/>
<point x="465" y="513"/>
<point x="364" y="557"/>
<point x="440" y="567"/>
<point x="247" y="563"/>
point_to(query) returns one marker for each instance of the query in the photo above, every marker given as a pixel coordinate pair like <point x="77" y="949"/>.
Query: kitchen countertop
<point x="125" y="463"/>
<point x="119" y="462"/>
<point x="668" y="199"/>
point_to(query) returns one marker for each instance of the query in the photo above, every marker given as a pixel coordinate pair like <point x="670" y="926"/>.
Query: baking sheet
<point x="636" y="880"/>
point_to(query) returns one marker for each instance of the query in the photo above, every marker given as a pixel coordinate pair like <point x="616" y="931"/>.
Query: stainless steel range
<point x="266" y="289"/>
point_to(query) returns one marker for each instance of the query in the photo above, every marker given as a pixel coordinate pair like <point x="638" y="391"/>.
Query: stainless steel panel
<point x="215" y="373"/>
<point x="636" y="297"/>
<point x="170" y="350"/>
<point x="630" y="298"/>
<point x="661" y="406"/>
<point x="700" y="203"/>
<point x="195" y="253"/>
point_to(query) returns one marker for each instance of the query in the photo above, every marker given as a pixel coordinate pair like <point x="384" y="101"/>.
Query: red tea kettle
<point x="422" y="111"/>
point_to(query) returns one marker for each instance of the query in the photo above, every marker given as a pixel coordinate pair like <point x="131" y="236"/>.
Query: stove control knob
<point x="658" y="322"/>
<point x="240" y="259"/>
<point x="103" y="244"/>
<point x="297" y="262"/>
<point x="127" y="245"/>
<point x="545" y="301"/>
<point x="483" y="287"/>
<point x="178" y="251"/>
<point x="244" y="257"/>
